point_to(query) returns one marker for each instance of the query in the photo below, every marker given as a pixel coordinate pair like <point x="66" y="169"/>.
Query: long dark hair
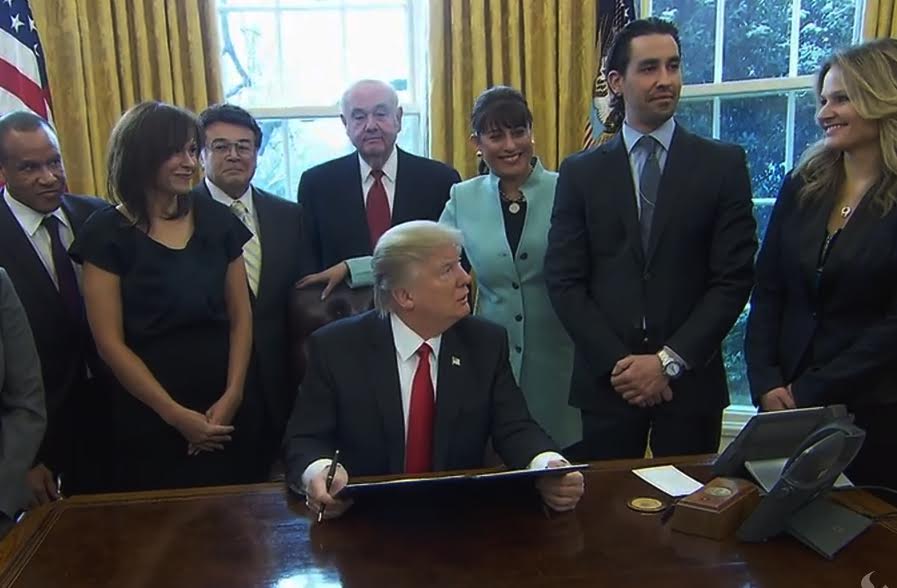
<point x="142" y="140"/>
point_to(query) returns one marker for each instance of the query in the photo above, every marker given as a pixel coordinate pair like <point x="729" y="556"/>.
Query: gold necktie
<point x="252" y="249"/>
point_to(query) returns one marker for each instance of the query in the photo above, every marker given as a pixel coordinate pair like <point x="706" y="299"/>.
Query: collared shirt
<point x="221" y="196"/>
<point x="406" y="343"/>
<point x="637" y="157"/>
<point x="390" y="168"/>
<point x="31" y="222"/>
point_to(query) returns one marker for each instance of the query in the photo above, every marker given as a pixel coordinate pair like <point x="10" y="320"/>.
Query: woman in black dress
<point x="823" y="322"/>
<point x="168" y="304"/>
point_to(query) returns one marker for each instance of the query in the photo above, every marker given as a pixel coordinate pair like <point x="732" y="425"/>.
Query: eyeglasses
<point x="223" y="148"/>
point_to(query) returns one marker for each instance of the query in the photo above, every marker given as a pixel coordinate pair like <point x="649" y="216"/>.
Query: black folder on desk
<point x="370" y="486"/>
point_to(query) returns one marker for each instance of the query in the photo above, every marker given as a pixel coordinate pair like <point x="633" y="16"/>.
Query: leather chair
<point x="307" y="313"/>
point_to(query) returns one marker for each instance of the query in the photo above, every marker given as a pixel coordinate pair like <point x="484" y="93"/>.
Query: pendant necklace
<point x="513" y="205"/>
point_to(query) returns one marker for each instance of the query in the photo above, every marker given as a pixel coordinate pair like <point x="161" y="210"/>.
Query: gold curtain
<point x="544" y="48"/>
<point x="104" y="56"/>
<point x="880" y="19"/>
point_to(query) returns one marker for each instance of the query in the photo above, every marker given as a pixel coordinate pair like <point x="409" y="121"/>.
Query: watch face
<point x="672" y="369"/>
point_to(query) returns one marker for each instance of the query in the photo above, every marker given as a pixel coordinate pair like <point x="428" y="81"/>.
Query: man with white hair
<point x="416" y="385"/>
<point x="350" y="201"/>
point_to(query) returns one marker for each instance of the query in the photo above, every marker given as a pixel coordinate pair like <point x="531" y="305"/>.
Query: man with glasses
<point x="272" y="257"/>
<point x="350" y="201"/>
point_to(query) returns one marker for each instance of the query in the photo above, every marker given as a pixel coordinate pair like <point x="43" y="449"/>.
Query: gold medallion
<point x="645" y="504"/>
<point x="718" y="491"/>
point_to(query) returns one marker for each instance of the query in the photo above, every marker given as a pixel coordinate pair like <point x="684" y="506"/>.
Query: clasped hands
<point x="209" y="431"/>
<point x="560" y="493"/>
<point x="640" y="380"/>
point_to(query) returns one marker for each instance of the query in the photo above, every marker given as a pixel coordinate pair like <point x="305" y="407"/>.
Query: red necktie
<point x="377" y="205"/>
<point x="421" y="411"/>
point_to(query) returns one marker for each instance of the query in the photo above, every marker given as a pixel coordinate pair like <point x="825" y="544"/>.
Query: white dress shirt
<point x="221" y="196"/>
<point x="31" y="222"/>
<point x="637" y="157"/>
<point x="390" y="167"/>
<point x="407" y="342"/>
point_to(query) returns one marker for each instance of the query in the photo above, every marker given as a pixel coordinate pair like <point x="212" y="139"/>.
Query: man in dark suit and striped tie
<point x="649" y="262"/>
<point x="272" y="257"/>
<point x="38" y="222"/>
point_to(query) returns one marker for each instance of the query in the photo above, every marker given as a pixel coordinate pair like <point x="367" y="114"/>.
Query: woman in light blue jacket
<point x="505" y="217"/>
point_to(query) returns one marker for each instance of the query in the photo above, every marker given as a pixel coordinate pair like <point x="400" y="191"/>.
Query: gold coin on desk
<point x="645" y="504"/>
<point x="719" y="491"/>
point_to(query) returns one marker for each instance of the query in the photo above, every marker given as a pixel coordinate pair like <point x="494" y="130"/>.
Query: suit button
<point x="515" y="285"/>
<point x="518" y="348"/>
<point x="647" y="276"/>
<point x="518" y="318"/>
<point x="524" y="256"/>
<point x="815" y="314"/>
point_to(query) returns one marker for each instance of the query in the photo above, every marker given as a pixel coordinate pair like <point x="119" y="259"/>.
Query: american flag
<point x="23" y="74"/>
<point x="613" y="15"/>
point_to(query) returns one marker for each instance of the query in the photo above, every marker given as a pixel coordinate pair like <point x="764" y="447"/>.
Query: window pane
<point x="307" y="142"/>
<point x="806" y="129"/>
<point x="825" y="25"/>
<point x="696" y="20"/>
<point x="249" y="57"/>
<point x="377" y="46"/>
<point x="733" y="359"/>
<point x="313" y="58"/>
<point x="757" y="39"/>
<point x="757" y="123"/>
<point x="696" y="115"/>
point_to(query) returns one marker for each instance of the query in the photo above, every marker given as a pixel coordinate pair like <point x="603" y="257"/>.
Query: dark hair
<point x="620" y="50"/>
<point x="500" y="107"/>
<point x="21" y="121"/>
<point x="231" y="114"/>
<point x="142" y="140"/>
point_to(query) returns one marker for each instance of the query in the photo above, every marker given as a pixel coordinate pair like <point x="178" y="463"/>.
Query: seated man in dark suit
<point x="372" y="378"/>
<point x="38" y="222"/>
<point x="350" y="201"/>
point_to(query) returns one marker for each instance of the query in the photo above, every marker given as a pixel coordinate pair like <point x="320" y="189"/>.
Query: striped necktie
<point x="252" y="249"/>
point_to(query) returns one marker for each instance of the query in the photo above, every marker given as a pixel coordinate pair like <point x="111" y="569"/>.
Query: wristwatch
<point x="668" y="364"/>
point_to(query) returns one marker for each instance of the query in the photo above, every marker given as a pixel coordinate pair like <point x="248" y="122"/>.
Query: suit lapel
<point x="676" y="170"/>
<point x="350" y="203"/>
<point x="268" y="229"/>
<point x="811" y="237"/>
<point x="618" y="177"/>
<point x="402" y="203"/>
<point x="452" y="382"/>
<point x="384" y="372"/>
<point x="854" y="234"/>
<point x="25" y="257"/>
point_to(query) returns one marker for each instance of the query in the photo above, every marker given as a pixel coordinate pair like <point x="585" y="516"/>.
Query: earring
<point x="479" y="153"/>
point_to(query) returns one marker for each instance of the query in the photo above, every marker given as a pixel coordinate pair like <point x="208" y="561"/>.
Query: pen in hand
<point x="334" y="463"/>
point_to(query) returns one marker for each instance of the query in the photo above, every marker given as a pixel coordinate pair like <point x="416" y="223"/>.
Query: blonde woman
<point x="823" y="323"/>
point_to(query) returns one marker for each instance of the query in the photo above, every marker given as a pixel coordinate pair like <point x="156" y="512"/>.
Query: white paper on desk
<point x="669" y="479"/>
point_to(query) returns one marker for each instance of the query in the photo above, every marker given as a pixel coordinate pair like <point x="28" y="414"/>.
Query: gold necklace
<point x="513" y="204"/>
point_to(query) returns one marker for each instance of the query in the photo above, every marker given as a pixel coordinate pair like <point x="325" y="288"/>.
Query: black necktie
<point x="649" y="182"/>
<point x="65" y="273"/>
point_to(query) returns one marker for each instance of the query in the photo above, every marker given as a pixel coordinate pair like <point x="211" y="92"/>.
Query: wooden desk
<point x="258" y="536"/>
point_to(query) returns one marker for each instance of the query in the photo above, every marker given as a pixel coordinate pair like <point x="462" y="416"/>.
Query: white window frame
<point x="737" y="415"/>
<point x="418" y="35"/>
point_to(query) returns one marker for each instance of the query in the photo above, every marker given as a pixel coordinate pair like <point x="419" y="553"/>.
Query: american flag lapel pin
<point x="456" y="361"/>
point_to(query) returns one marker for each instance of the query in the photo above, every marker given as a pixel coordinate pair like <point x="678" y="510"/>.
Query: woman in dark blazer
<point x="823" y="320"/>
<point x="504" y="216"/>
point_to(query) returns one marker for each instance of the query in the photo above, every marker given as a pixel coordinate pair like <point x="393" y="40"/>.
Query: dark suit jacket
<point x="351" y="400"/>
<point x="280" y="226"/>
<point x="335" y="220"/>
<point x="64" y="344"/>
<point x="837" y="343"/>
<point x="690" y="285"/>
